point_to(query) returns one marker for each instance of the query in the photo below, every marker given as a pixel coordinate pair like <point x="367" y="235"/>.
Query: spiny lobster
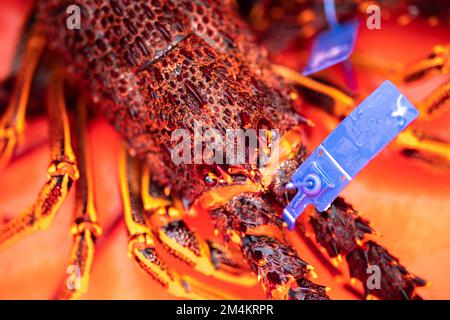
<point x="152" y="68"/>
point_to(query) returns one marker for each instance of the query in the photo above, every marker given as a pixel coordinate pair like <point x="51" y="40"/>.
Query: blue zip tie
<point x="330" y="13"/>
<point x="334" y="45"/>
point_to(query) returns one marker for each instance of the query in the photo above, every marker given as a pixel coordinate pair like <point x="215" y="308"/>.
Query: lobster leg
<point x="437" y="62"/>
<point x="62" y="172"/>
<point x="421" y="146"/>
<point x="437" y="102"/>
<point x="250" y="222"/>
<point x="425" y="148"/>
<point x="142" y="243"/>
<point x="165" y="217"/>
<point x="85" y="228"/>
<point x="341" y="102"/>
<point x="12" y="123"/>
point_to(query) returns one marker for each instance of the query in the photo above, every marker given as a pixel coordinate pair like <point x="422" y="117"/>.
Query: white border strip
<point x="336" y="163"/>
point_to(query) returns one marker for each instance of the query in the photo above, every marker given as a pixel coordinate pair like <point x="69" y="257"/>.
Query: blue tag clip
<point x="348" y="149"/>
<point x="334" y="45"/>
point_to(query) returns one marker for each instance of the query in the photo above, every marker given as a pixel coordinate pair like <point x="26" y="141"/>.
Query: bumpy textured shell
<point x="156" y="66"/>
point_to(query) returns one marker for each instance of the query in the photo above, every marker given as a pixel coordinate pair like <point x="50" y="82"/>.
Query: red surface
<point x="408" y="204"/>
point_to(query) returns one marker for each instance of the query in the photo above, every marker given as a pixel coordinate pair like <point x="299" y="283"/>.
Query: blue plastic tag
<point x="331" y="47"/>
<point x="354" y="142"/>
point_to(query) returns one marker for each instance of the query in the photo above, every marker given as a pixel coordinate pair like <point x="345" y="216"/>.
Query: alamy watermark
<point x="374" y="280"/>
<point x="374" y="20"/>
<point x="73" y="281"/>
<point x="232" y="147"/>
<point x="73" y="20"/>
